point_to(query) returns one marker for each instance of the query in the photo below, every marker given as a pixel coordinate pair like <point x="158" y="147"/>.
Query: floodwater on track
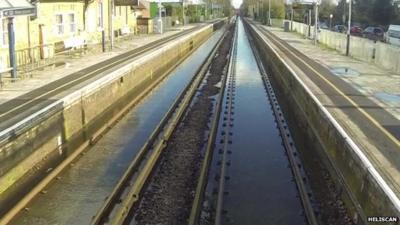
<point x="82" y="188"/>
<point x="260" y="188"/>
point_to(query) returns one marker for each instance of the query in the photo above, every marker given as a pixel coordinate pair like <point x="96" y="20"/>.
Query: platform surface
<point x="362" y="97"/>
<point x="43" y="86"/>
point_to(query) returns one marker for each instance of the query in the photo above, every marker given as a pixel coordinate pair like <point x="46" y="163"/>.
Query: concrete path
<point x="363" y="98"/>
<point x="71" y="63"/>
<point x="381" y="86"/>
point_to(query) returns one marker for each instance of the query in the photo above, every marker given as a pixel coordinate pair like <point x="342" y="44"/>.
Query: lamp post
<point x="11" y="47"/>
<point x="309" y="22"/>
<point x="291" y="17"/>
<point x="205" y="11"/>
<point x="348" y="31"/>
<point x="160" y="16"/>
<point x="269" y="13"/>
<point x="330" y="21"/>
<point x="110" y="23"/>
<point x="316" y="24"/>
<point x="262" y="12"/>
<point x="183" y="12"/>
<point x="101" y="23"/>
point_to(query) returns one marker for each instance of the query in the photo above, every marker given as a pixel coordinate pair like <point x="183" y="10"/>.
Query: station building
<point x="42" y="28"/>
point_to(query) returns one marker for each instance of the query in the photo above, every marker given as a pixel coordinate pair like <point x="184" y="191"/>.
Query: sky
<point x="236" y="3"/>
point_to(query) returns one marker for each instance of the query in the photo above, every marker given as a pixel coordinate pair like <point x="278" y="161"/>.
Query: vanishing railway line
<point x="103" y="67"/>
<point x="224" y="160"/>
<point x="144" y="193"/>
<point x="194" y="168"/>
<point x="118" y="208"/>
<point x="344" y="95"/>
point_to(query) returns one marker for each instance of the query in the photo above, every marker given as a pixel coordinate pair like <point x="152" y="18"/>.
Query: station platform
<point x="362" y="97"/>
<point x="39" y="82"/>
<point x="380" y="85"/>
<point x="71" y="63"/>
<point x="48" y="121"/>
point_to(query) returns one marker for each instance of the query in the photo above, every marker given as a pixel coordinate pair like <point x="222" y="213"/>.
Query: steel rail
<point x="202" y="181"/>
<point x="287" y="142"/>
<point x="382" y="183"/>
<point x="151" y="151"/>
<point x="5" y="219"/>
<point x="54" y="173"/>
<point x="284" y="46"/>
<point x="230" y="74"/>
<point x="94" y="70"/>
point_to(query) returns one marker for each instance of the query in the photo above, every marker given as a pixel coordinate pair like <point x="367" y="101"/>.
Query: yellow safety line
<point x="65" y="84"/>
<point x="136" y="54"/>
<point x="370" y="118"/>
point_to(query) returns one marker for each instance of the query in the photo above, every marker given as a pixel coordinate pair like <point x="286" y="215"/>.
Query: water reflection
<point x="76" y="197"/>
<point x="260" y="186"/>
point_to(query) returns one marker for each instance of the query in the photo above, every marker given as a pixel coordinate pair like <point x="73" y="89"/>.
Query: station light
<point x="348" y="30"/>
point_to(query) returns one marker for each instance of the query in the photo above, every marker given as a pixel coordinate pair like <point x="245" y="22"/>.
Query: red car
<point x="356" y="31"/>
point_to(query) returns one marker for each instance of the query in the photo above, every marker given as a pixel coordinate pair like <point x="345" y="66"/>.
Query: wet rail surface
<point x="379" y="126"/>
<point x="169" y="193"/>
<point x="249" y="161"/>
<point x="80" y="190"/>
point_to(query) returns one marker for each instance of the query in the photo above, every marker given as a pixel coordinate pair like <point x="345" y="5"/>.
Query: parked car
<point x="374" y="33"/>
<point x="393" y="35"/>
<point x="340" y="28"/>
<point x="323" y="26"/>
<point x="356" y="31"/>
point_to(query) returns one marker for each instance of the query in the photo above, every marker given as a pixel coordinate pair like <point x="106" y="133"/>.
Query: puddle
<point x="391" y="98"/>
<point x="345" y="72"/>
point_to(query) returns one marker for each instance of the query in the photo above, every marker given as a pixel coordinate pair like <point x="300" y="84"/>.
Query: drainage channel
<point x="255" y="176"/>
<point x="79" y="191"/>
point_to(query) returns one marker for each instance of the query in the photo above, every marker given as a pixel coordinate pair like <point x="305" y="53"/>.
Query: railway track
<point x="358" y="110"/>
<point x="54" y="173"/>
<point x="12" y="108"/>
<point x="291" y="151"/>
<point x="119" y="205"/>
<point x="226" y="140"/>
<point x="343" y="93"/>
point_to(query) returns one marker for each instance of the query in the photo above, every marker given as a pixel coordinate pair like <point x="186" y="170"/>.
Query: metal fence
<point x="382" y="54"/>
<point x="31" y="58"/>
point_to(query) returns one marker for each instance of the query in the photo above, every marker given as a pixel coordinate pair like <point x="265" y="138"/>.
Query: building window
<point x="71" y="22"/>
<point x="4" y="32"/>
<point x="59" y="24"/>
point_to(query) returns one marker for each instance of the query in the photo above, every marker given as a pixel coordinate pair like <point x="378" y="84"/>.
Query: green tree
<point x="375" y="12"/>
<point x="277" y="9"/>
<point x="396" y="16"/>
<point x="326" y="8"/>
<point x="382" y="12"/>
<point x="362" y="11"/>
<point x="340" y="14"/>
